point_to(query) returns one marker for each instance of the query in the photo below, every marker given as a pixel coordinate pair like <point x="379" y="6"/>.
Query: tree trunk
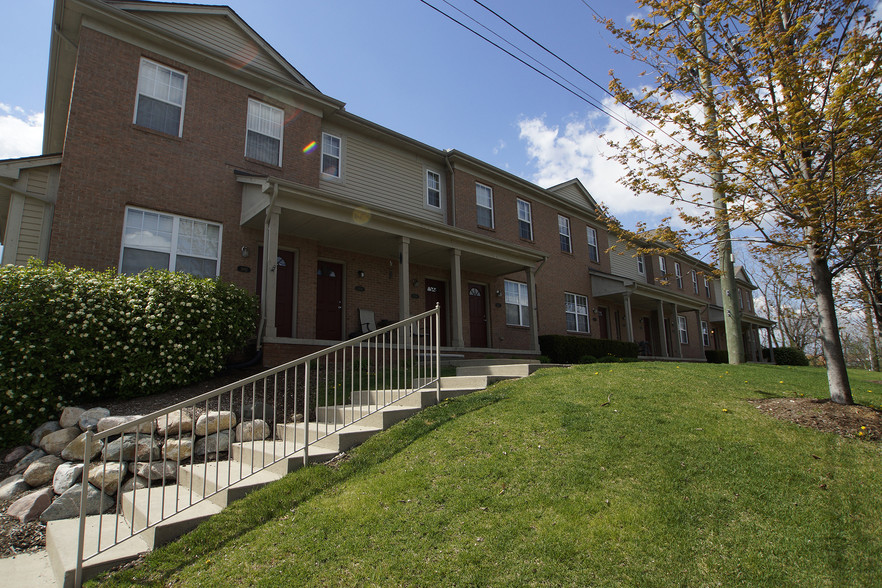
<point x="837" y="376"/>
<point x="871" y="333"/>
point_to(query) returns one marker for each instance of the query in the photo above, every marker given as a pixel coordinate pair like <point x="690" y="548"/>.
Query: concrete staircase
<point x="203" y="480"/>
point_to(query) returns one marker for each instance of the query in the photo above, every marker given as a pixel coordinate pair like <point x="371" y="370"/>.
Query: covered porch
<point x="751" y="325"/>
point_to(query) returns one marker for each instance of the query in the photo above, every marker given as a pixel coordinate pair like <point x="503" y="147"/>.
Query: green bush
<point x="717" y="356"/>
<point x="587" y="359"/>
<point x="570" y="349"/>
<point x="72" y="335"/>
<point x="788" y="356"/>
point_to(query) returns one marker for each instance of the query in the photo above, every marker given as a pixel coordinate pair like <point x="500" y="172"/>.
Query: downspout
<point x="452" y="190"/>
<point x="266" y="266"/>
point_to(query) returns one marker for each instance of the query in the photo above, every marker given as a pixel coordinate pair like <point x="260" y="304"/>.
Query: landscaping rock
<point x="43" y="430"/>
<point x="132" y="448"/>
<point x="76" y="449"/>
<point x="88" y="421"/>
<point x="135" y="483"/>
<point x="70" y="416"/>
<point x="175" y="423"/>
<point x="66" y="476"/>
<point x="259" y="410"/>
<point x="30" y="507"/>
<point x="214" y="421"/>
<point x="177" y="449"/>
<point x="109" y="422"/>
<point x="41" y="471"/>
<point x="212" y="444"/>
<point x="17" y="453"/>
<point x="27" y="460"/>
<point x="54" y="443"/>
<point x="255" y="430"/>
<point x="12" y="487"/>
<point x="158" y="470"/>
<point x="107" y="476"/>
<point x="67" y="505"/>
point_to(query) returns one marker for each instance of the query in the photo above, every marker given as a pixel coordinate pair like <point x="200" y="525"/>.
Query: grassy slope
<point x="678" y="481"/>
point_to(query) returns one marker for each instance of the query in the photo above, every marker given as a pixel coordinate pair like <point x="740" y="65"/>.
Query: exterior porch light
<point x="245" y="251"/>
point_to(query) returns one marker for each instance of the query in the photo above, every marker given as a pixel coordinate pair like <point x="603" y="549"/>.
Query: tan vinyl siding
<point x="31" y="232"/>
<point x="573" y="195"/>
<point x="624" y="265"/>
<point x="38" y="182"/>
<point x="379" y="175"/>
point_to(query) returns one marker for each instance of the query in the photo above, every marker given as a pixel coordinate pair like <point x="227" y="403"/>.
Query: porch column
<point x="771" y="347"/>
<point x="534" y="311"/>
<point x="662" y="337"/>
<point x="678" y="346"/>
<point x="456" y="298"/>
<point x="270" y="260"/>
<point x="403" y="278"/>
<point x="629" y="321"/>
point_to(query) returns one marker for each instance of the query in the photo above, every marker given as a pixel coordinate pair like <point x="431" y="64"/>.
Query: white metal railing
<point x="292" y="407"/>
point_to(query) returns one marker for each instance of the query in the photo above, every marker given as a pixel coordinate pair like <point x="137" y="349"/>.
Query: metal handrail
<point x="405" y="358"/>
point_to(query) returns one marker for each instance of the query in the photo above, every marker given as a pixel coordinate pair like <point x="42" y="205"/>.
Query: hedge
<point x="571" y="349"/>
<point x="73" y="335"/>
<point x="788" y="356"/>
<point x="716" y="356"/>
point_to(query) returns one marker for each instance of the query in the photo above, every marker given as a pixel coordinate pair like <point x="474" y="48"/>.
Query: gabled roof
<point x="574" y="192"/>
<point x="741" y="275"/>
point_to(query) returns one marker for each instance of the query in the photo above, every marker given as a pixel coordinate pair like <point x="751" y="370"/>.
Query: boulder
<point x="158" y="470"/>
<point x="135" y="483"/>
<point x="109" y="422"/>
<point x="88" y="421"/>
<point x="66" y="476"/>
<point x="70" y="416"/>
<point x="175" y="423"/>
<point x="107" y="476"/>
<point x="213" y="444"/>
<point x="132" y="448"/>
<point x="43" y="430"/>
<point x="41" y="471"/>
<point x="12" y="487"/>
<point x="67" y="505"/>
<point x="177" y="449"/>
<point x="55" y="443"/>
<point x="214" y="421"/>
<point x="259" y="410"/>
<point x="17" y="453"/>
<point x="27" y="460"/>
<point x="255" y="430"/>
<point x="76" y="449"/>
<point x="31" y="506"/>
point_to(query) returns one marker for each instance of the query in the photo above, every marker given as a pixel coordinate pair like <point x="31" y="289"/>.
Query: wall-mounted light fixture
<point x="415" y="283"/>
<point x="498" y="293"/>
<point x="245" y="251"/>
<point x="360" y="273"/>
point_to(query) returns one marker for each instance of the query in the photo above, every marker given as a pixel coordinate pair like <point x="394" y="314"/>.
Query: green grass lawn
<point x="677" y="481"/>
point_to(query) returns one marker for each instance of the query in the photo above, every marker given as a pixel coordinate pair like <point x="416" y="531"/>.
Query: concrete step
<point x="520" y="370"/>
<point x="164" y="514"/>
<point x="234" y="479"/>
<point x="279" y="457"/>
<point x="326" y="435"/>
<point x="419" y="399"/>
<point x="367" y="415"/>
<point x="486" y="362"/>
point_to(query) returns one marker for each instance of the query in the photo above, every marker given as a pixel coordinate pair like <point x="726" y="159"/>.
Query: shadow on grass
<point x="285" y="495"/>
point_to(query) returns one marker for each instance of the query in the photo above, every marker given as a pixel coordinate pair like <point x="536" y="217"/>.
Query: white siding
<point x="573" y="195"/>
<point x="31" y="233"/>
<point x="622" y="262"/>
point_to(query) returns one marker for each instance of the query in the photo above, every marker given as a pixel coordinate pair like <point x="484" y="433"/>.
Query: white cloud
<point x="21" y="133"/>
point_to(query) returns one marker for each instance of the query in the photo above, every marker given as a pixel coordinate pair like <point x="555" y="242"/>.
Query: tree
<point x="798" y="129"/>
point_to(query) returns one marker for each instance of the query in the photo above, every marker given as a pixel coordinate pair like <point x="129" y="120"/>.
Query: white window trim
<point x="707" y="289"/>
<point x="478" y="186"/>
<point x="694" y="282"/>
<point x="523" y="309"/>
<point x="683" y="328"/>
<point x="528" y="220"/>
<point x="641" y="264"/>
<point x="663" y="265"/>
<point x="183" y="104"/>
<point x="280" y="138"/>
<point x="576" y="314"/>
<point x="325" y="137"/>
<point x="705" y="334"/>
<point x="593" y="247"/>
<point x="440" y="192"/>
<point x="678" y="273"/>
<point x="563" y="229"/>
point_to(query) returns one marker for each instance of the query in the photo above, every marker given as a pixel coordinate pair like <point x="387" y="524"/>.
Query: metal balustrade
<point x="292" y="408"/>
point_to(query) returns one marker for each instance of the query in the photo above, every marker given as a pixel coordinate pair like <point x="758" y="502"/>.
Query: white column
<point x="678" y="347"/>
<point x="629" y="321"/>
<point x="662" y="339"/>
<point x="270" y="260"/>
<point x="403" y="278"/>
<point x="456" y="298"/>
<point x="534" y="312"/>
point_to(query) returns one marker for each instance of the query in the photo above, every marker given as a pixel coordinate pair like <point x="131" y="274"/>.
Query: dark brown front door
<point x="602" y="326"/>
<point x="477" y="315"/>
<point x="435" y="295"/>
<point x="284" y="290"/>
<point x="329" y="301"/>
<point x="646" y="344"/>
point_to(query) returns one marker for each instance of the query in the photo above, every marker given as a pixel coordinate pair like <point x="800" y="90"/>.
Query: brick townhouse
<point x="176" y="137"/>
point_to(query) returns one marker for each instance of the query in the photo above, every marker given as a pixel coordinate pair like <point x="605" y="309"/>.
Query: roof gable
<point x="575" y="193"/>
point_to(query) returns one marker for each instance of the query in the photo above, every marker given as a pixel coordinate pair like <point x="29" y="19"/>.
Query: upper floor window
<point x="593" y="249"/>
<point x="678" y="273"/>
<point x="433" y="189"/>
<point x="641" y="264"/>
<point x="706" y="287"/>
<point x="563" y="227"/>
<point x="682" y="328"/>
<point x="525" y="220"/>
<point x="263" y="137"/>
<point x="160" y="102"/>
<point x="517" y="304"/>
<point x="484" y="203"/>
<point x="331" y="155"/>
<point x="740" y="298"/>
<point x="694" y="282"/>
<point x="705" y="334"/>
<point x="662" y="264"/>
<point x="577" y="312"/>
<point x="164" y="241"/>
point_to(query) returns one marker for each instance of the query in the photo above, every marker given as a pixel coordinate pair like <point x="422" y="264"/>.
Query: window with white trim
<point x="160" y="101"/>
<point x="263" y="136"/>
<point x="525" y="220"/>
<point x="165" y="241"/>
<point x="484" y="204"/>
<point x="641" y="264"/>
<point x="563" y="227"/>
<point x="740" y="298"/>
<point x="706" y="287"/>
<point x="593" y="249"/>
<point x="331" y="155"/>
<point x="705" y="334"/>
<point x="433" y="189"/>
<point x="694" y="282"/>
<point x="663" y="265"/>
<point x="681" y="327"/>
<point x="678" y="272"/>
<point x="517" y="304"/>
<point x="577" y="312"/>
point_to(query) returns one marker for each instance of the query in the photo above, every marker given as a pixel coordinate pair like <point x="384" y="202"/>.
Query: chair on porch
<point x="366" y="323"/>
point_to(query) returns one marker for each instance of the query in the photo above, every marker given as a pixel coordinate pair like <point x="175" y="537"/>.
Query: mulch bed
<point x="854" y="421"/>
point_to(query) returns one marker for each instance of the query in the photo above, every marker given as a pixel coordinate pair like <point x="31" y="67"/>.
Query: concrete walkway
<point x="28" y="570"/>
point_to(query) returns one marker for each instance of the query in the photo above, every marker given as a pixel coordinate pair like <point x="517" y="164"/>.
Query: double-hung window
<point x="160" y="102"/>
<point x="517" y="304"/>
<point x="706" y="287"/>
<point x="641" y="264"/>
<point x="484" y="204"/>
<point x="525" y="220"/>
<point x="433" y="189"/>
<point x="577" y="312"/>
<point x="705" y="334"/>
<point x="593" y="249"/>
<point x="681" y="327"/>
<point x="678" y="273"/>
<point x="740" y="299"/>
<point x="694" y="282"/>
<point x="563" y="227"/>
<point x="663" y="265"/>
<point x="331" y="155"/>
<point x="164" y="241"/>
<point x="263" y="137"/>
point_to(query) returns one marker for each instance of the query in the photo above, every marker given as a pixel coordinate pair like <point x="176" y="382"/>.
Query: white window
<point x="563" y="227"/>
<point x="678" y="272"/>
<point x="160" y="102"/>
<point x="577" y="312"/>
<point x="705" y="334"/>
<point x="706" y="287"/>
<point x="740" y="298"/>
<point x="263" y="137"/>
<point x="593" y="249"/>
<point x="694" y="282"/>
<point x="525" y="220"/>
<point x="641" y="264"/>
<point x="484" y="202"/>
<point x="433" y="189"/>
<point x="331" y="155"/>
<point x="681" y="326"/>
<point x="163" y="241"/>
<point x="517" y="304"/>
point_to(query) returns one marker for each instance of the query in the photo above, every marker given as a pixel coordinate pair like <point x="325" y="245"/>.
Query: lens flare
<point x="310" y="147"/>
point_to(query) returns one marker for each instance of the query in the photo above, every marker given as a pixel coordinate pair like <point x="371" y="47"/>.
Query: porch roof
<point x="715" y="315"/>
<point x="643" y="296"/>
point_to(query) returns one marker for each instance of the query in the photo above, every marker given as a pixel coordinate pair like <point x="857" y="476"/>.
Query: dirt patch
<point x="854" y="421"/>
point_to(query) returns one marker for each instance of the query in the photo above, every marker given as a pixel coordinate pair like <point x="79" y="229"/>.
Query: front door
<point x="602" y="325"/>
<point x="329" y="301"/>
<point x="435" y="295"/>
<point x="646" y="344"/>
<point x="477" y="315"/>
<point x="284" y="290"/>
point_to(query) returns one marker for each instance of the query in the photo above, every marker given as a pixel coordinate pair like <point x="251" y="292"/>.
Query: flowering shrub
<point x="70" y="335"/>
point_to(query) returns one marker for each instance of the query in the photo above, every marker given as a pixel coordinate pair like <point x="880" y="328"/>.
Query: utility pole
<point x="731" y="309"/>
